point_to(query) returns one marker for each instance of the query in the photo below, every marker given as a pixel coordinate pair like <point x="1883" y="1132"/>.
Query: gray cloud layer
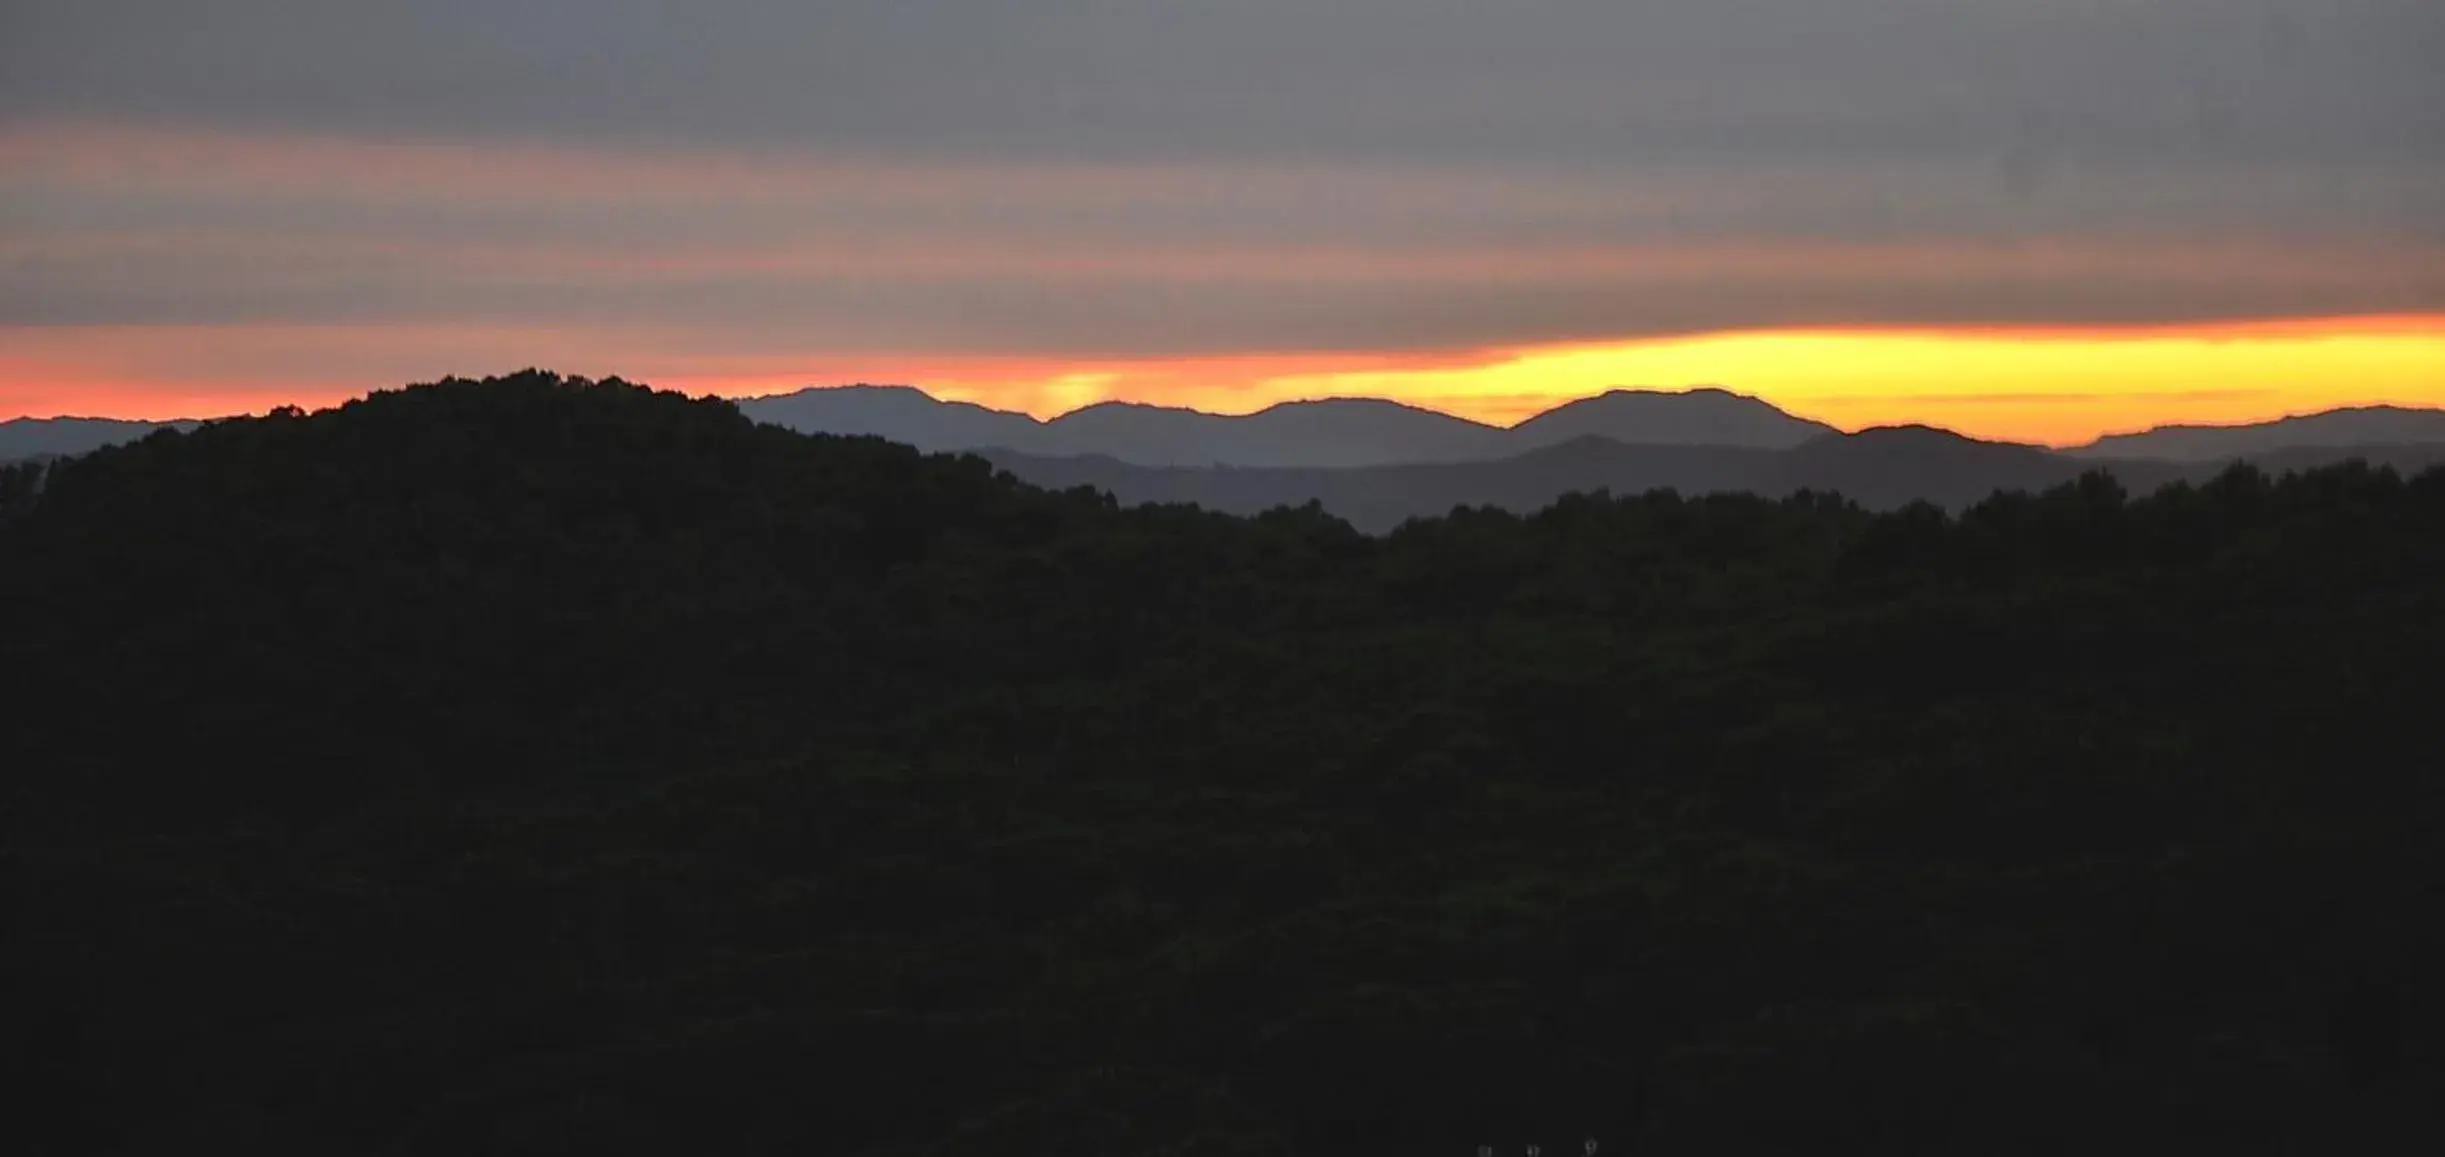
<point x="2029" y="79"/>
<point x="1168" y="176"/>
<point x="990" y="257"/>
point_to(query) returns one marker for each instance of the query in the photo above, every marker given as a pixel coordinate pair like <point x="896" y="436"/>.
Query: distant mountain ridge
<point x="1327" y="432"/>
<point x="1374" y="459"/>
<point x="1703" y="416"/>
<point x="2349" y="426"/>
<point x="50" y="437"/>
<point x="1321" y="433"/>
<point x="1342" y="433"/>
<point x="901" y="414"/>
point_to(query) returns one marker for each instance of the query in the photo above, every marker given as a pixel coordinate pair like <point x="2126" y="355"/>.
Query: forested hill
<point x="536" y="765"/>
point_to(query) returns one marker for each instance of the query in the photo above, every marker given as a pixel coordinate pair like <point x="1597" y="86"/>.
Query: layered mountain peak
<point x="1707" y="415"/>
<point x="1349" y="432"/>
<point x="898" y="413"/>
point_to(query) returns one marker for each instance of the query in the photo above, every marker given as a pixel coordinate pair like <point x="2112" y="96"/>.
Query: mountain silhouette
<point x="41" y="437"/>
<point x="1355" y="432"/>
<point x="1709" y="416"/>
<point x="1324" y="433"/>
<point x="1327" y="432"/>
<point x="902" y="414"/>
<point x="1892" y="466"/>
<point x="1351" y="433"/>
<point x="2349" y="426"/>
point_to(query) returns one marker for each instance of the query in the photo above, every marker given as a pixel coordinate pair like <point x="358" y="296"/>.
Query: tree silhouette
<point x="542" y="763"/>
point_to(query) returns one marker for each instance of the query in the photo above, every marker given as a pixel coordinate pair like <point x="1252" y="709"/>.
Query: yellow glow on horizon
<point x="2055" y="386"/>
<point x="2049" y="386"/>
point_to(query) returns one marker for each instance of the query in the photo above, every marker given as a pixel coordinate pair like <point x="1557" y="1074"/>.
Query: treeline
<point x="537" y="764"/>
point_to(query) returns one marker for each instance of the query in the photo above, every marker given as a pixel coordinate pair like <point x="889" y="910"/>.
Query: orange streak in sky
<point x="2055" y="385"/>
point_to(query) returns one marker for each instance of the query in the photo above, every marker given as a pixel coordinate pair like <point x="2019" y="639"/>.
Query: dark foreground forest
<point x="549" y="766"/>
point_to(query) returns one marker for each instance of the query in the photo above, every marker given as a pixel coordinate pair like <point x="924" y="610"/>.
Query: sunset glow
<point x="2053" y="387"/>
<point x="2049" y="386"/>
<point x="1874" y="252"/>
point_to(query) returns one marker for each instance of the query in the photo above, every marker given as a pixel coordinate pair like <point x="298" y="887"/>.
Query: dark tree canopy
<point x="537" y="764"/>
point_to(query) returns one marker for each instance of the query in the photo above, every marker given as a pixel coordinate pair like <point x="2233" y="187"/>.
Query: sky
<point x="2036" y="219"/>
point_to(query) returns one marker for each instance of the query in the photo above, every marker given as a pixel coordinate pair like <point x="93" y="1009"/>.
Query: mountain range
<point x="1328" y="433"/>
<point x="1377" y="463"/>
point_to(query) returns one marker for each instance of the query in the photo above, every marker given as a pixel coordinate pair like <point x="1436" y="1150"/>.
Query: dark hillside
<point x="543" y="765"/>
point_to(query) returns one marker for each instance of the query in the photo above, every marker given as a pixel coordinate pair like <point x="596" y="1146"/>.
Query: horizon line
<point x="2044" y="384"/>
<point x="1660" y="391"/>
